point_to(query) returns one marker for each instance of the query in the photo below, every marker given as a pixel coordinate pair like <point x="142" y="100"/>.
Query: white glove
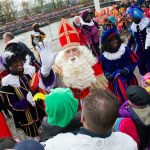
<point x="147" y="42"/>
<point x="47" y="57"/>
<point x="30" y="99"/>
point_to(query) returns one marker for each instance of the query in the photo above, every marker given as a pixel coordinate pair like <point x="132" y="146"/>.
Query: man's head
<point x="100" y="111"/>
<point x="76" y="19"/>
<point x="28" y="145"/>
<point x="8" y="36"/>
<point x="143" y="7"/>
<point x="7" y="143"/>
<point x="75" y="61"/>
<point x="132" y="2"/>
<point x="71" y="53"/>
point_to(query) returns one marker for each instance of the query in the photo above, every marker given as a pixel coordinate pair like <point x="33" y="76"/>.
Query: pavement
<point x="56" y="48"/>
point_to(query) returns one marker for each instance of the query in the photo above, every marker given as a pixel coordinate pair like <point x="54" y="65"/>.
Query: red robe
<point x="4" y="130"/>
<point x="101" y="82"/>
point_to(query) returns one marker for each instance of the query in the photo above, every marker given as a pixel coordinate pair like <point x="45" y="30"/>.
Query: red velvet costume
<point x="68" y="36"/>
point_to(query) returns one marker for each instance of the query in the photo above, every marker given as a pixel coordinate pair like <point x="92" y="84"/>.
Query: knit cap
<point x="28" y="145"/>
<point x="61" y="106"/>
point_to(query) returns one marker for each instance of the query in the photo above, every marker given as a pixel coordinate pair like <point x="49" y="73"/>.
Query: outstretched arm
<point x="47" y="58"/>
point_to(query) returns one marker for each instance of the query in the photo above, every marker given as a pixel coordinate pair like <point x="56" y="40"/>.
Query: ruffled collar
<point x="143" y="23"/>
<point x="117" y="55"/>
<point x="36" y="33"/>
<point x="88" y="24"/>
<point x="13" y="80"/>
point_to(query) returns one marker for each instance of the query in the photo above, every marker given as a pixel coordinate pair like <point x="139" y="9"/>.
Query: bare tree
<point x="40" y="4"/>
<point x="25" y="9"/>
<point x="8" y="9"/>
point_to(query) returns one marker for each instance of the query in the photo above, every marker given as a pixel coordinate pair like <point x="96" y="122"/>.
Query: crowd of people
<point x="24" y="23"/>
<point x="84" y="96"/>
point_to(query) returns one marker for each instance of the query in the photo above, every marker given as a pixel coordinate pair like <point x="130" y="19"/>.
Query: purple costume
<point x="124" y="110"/>
<point x="26" y="117"/>
<point x="90" y="30"/>
<point x="138" y="35"/>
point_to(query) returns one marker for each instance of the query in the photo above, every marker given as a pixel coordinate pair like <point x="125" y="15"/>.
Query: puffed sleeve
<point x="132" y="60"/>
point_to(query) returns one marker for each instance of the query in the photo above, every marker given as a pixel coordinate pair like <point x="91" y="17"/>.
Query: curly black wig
<point x="17" y="53"/>
<point x="106" y="44"/>
<point x="20" y="56"/>
<point x="84" y="17"/>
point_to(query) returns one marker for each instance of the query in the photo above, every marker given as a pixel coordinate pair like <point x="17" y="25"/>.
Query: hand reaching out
<point x="47" y="56"/>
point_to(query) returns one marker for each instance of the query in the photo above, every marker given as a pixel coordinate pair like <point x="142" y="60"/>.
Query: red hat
<point x="67" y="34"/>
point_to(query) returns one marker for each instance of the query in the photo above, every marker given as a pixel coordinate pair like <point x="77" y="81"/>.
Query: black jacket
<point x="48" y="131"/>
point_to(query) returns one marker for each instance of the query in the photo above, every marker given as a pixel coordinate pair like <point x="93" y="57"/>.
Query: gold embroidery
<point x="101" y="82"/>
<point x="11" y="105"/>
<point x="6" y="92"/>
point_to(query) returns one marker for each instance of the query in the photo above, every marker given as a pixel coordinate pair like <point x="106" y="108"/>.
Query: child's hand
<point x="127" y="106"/>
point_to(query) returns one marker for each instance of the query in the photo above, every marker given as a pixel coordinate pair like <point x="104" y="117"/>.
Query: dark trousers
<point x="95" y="49"/>
<point x="124" y="25"/>
<point x="3" y="107"/>
<point x="114" y="26"/>
<point x="144" y="62"/>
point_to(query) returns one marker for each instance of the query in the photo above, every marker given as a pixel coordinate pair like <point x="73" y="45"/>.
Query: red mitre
<point x="68" y="35"/>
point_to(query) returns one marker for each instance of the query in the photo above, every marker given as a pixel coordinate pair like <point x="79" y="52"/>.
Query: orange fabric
<point x="115" y="12"/>
<point x="122" y="9"/>
<point x="120" y="23"/>
<point x="111" y="13"/>
<point x="102" y="21"/>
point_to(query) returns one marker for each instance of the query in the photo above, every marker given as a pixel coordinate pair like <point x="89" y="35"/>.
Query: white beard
<point x="79" y="73"/>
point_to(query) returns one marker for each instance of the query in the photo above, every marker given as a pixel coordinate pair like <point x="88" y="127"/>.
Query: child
<point x="127" y="126"/>
<point x="146" y="82"/>
<point x="133" y="3"/>
<point x="96" y="16"/>
<point x="137" y="108"/>
<point x="120" y="23"/>
<point x="112" y="19"/>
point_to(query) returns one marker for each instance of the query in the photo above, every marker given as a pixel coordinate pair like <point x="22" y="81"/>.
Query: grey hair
<point x="9" y="35"/>
<point x="75" y="18"/>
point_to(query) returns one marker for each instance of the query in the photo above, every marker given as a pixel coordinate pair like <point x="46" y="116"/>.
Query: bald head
<point x="76" y="19"/>
<point x="8" y="36"/>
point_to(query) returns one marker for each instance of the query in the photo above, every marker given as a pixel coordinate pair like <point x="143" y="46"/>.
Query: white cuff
<point x="147" y="42"/>
<point x="30" y="99"/>
<point x="45" y="71"/>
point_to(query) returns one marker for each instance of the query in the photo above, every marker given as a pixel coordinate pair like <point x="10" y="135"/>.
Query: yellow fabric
<point x="38" y="96"/>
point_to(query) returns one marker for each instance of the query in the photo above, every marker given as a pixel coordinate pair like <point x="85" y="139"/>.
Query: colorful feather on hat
<point x="6" y="55"/>
<point x="135" y="12"/>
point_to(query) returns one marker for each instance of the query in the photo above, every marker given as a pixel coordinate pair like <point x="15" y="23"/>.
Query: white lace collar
<point x="14" y="80"/>
<point x="88" y="24"/>
<point x="117" y="55"/>
<point x="36" y="33"/>
<point x="143" y="23"/>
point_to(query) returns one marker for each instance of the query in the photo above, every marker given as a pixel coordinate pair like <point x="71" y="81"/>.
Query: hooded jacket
<point x="141" y="119"/>
<point x="49" y="131"/>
